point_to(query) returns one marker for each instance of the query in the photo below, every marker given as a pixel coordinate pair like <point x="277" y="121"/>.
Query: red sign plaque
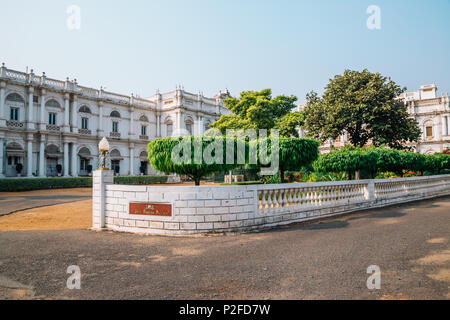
<point x="151" y="209"/>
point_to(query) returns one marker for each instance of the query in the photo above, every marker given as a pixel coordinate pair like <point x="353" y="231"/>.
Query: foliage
<point x="381" y="160"/>
<point x="160" y="156"/>
<point x="140" y="180"/>
<point x="386" y="175"/>
<point x="241" y="183"/>
<point x="257" y="110"/>
<point x="321" y="176"/>
<point x="287" y="125"/>
<point x="365" y="106"/>
<point x="28" y="184"/>
<point x="294" y="153"/>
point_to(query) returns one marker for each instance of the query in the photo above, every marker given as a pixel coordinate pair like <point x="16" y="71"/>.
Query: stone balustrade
<point x="209" y="209"/>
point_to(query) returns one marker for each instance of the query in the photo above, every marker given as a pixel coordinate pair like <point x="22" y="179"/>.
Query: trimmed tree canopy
<point x="196" y="157"/>
<point x="293" y="154"/>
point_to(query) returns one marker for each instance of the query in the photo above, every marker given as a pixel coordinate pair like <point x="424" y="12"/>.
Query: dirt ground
<point x="67" y="216"/>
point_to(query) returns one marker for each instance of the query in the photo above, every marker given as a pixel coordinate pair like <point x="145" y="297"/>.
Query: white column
<point x="42" y="110"/>
<point x="448" y="125"/>
<point x="200" y="125"/>
<point x="66" y="159"/>
<point x="1" y="159"/>
<point x="30" y="108"/>
<point x="131" y="160"/>
<point x="101" y="178"/>
<point x="100" y="119"/>
<point x="66" y="112"/>
<point x="30" y="156"/>
<point x="41" y="158"/>
<point x="158" y="125"/>
<point x="74" y="167"/>
<point x="444" y="125"/>
<point x="74" y="114"/>
<point x="131" y="132"/>
<point x="2" y="103"/>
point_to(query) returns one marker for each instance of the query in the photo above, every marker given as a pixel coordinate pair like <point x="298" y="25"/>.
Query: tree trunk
<point x="282" y="176"/>
<point x="197" y="181"/>
<point x="357" y="174"/>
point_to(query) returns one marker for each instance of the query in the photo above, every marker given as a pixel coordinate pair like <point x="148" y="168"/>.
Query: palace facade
<point x="53" y="127"/>
<point x="433" y="115"/>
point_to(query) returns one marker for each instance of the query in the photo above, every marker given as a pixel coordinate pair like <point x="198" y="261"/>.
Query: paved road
<point x="326" y="260"/>
<point x="18" y="201"/>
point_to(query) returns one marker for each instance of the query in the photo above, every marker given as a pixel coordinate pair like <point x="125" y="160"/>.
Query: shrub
<point x="28" y="184"/>
<point x="241" y="183"/>
<point x="137" y="180"/>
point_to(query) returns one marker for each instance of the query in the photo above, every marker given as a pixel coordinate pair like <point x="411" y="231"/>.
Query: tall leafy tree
<point x="258" y="110"/>
<point x="365" y="106"/>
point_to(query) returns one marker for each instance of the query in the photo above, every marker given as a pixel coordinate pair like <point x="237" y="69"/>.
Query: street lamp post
<point x="103" y="147"/>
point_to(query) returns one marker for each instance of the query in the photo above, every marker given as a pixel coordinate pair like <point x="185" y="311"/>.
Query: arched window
<point x="143" y="118"/>
<point x="15" y="97"/>
<point x="115" y="114"/>
<point x="52" y="103"/>
<point x="189" y="126"/>
<point x="169" y="128"/>
<point x="84" y="109"/>
<point x="114" y="154"/>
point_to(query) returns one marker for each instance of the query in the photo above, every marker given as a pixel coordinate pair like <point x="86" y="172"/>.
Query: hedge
<point x="241" y="183"/>
<point x="28" y="184"/>
<point x="140" y="180"/>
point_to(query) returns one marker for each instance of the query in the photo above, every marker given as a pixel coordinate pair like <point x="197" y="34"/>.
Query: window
<point x="429" y="132"/>
<point x="115" y="114"/>
<point x="84" y="123"/>
<point x="52" y="104"/>
<point x="84" y="109"/>
<point x="169" y="129"/>
<point x="35" y="99"/>
<point x="115" y="126"/>
<point x="15" y="98"/>
<point x="189" y="127"/>
<point x="14" y="114"/>
<point x="84" y="163"/>
<point x="143" y="130"/>
<point x="52" y="118"/>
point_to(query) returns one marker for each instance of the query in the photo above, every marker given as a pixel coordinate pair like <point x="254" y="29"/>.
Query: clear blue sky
<point x="290" y="46"/>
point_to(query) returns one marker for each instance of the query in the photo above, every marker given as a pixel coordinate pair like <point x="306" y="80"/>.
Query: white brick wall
<point x="240" y="208"/>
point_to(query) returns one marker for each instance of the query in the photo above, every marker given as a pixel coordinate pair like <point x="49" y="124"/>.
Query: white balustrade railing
<point x="298" y="197"/>
<point x="394" y="188"/>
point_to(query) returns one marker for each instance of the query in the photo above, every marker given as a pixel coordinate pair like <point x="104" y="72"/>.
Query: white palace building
<point x="48" y="124"/>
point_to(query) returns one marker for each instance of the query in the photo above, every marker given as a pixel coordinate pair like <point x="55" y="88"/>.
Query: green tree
<point x="180" y="156"/>
<point x="365" y="106"/>
<point x="287" y="125"/>
<point x="257" y="110"/>
<point x="294" y="153"/>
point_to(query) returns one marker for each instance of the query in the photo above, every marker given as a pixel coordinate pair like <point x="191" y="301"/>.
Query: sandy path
<point x="67" y="216"/>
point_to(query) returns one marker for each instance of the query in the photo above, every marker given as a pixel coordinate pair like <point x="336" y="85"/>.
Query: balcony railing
<point x="85" y="132"/>
<point x="143" y="137"/>
<point x="114" y="135"/>
<point x="14" y="124"/>
<point x="53" y="128"/>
